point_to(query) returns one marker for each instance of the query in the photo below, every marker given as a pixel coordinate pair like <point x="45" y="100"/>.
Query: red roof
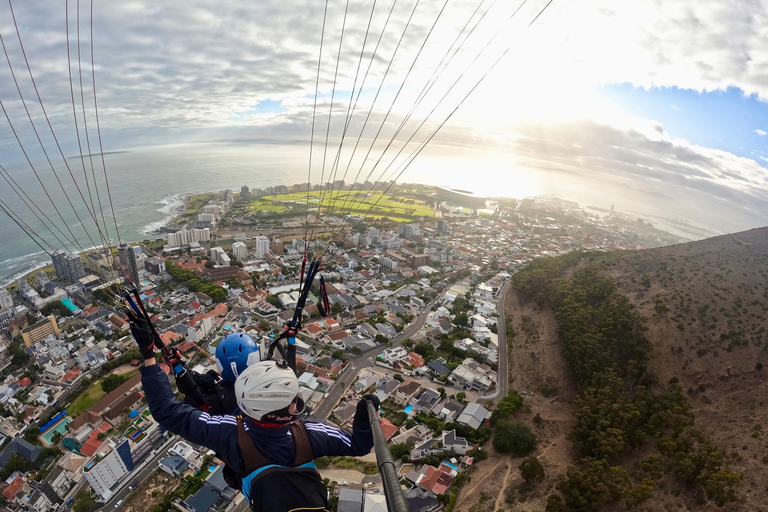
<point x="91" y="446"/>
<point x="387" y="428"/>
<point x="313" y="328"/>
<point x="169" y="337"/>
<point x="71" y="374"/>
<point x="155" y="300"/>
<point x="13" y="488"/>
<point x="196" y="306"/>
<point x="26" y="381"/>
<point x="436" y="481"/>
<point x="101" y="428"/>
<point x="91" y="311"/>
<point x="185" y="347"/>
<point x="220" y="309"/>
<point x="165" y="368"/>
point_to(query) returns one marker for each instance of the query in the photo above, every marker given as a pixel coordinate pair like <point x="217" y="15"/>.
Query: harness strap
<point x="301" y="439"/>
<point x="252" y="457"/>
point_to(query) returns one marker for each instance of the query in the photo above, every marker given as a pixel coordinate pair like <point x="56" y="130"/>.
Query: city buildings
<point x="128" y="260"/>
<point x="105" y="474"/>
<point x="6" y="301"/>
<point x="155" y="265"/>
<point x="245" y="192"/>
<point x="219" y="256"/>
<point x="239" y="251"/>
<point x="68" y="267"/>
<point x="277" y="247"/>
<point x="187" y="236"/>
<point x="262" y="246"/>
<point x="40" y="331"/>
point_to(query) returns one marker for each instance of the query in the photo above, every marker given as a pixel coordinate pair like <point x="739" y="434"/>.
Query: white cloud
<point x="761" y="133"/>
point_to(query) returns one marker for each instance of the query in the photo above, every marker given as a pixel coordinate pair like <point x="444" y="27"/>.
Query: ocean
<point x="149" y="185"/>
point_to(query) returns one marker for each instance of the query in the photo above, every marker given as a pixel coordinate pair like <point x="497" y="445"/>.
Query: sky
<point x="658" y="97"/>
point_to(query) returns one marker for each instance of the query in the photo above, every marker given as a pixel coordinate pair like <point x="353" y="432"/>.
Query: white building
<point x="6" y="301"/>
<point x="262" y="246"/>
<point x="104" y="475"/>
<point x="240" y="251"/>
<point x="187" y="236"/>
<point x="219" y="256"/>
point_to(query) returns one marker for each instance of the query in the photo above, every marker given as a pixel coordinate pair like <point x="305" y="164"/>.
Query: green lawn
<point x="90" y="396"/>
<point x="359" y="203"/>
<point x="87" y="398"/>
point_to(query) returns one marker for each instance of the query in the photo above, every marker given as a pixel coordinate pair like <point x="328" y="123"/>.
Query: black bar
<point x="392" y="490"/>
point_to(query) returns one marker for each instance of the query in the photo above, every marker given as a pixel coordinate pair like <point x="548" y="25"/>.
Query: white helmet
<point x="264" y="388"/>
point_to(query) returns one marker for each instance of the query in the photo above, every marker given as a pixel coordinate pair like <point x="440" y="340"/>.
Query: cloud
<point x="761" y="133"/>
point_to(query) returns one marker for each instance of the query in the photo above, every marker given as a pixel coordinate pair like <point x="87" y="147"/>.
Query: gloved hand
<point x="361" y="415"/>
<point x="142" y="334"/>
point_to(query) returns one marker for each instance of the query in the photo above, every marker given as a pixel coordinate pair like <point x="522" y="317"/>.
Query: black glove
<point x="361" y="415"/>
<point x="142" y="333"/>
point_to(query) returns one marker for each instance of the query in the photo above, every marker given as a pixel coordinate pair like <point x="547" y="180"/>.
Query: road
<point x="502" y="372"/>
<point x="369" y="359"/>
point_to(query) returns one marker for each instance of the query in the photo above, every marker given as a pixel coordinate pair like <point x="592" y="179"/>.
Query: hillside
<point x="705" y="305"/>
<point x="656" y="358"/>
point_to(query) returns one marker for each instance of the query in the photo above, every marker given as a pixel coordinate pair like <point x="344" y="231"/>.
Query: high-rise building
<point x="219" y="256"/>
<point x="6" y="301"/>
<point x="442" y="226"/>
<point x="40" y="331"/>
<point x="281" y="189"/>
<point x="155" y="265"/>
<point x="105" y="474"/>
<point x="68" y="266"/>
<point x="262" y="246"/>
<point x="409" y="231"/>
<point x="277" y="246"/>
<point x="245" y="192"/>
<point x="127" y="257"/>
<point x="226" y="196"/>
<point x="239" y="251"/>
<point x="187" y="236"/>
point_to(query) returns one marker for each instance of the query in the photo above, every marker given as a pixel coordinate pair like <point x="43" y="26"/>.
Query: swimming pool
<point x="70" y="305"/>
<point x="451" y="466"/>
<point x="61" y="428"/>
<point x="408" y="409"/>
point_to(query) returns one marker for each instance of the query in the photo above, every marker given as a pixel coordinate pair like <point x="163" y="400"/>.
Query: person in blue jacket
<point x="269" y="449"/>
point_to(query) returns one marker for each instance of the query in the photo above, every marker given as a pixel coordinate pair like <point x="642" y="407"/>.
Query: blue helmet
<point x="235" y="353"/>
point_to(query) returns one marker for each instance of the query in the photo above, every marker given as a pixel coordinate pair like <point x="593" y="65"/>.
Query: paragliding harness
<point x="272" y="487"/>
<point x="293" y="326"/>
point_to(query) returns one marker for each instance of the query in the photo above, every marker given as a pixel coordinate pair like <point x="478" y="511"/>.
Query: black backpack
<point x="274" y="488"/>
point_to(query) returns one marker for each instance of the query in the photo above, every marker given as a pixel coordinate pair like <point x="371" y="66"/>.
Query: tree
<point x="398" y="450"/>
<point x="507" y="406"/>
<point x="338" y="354"/>
<point x="461" y="397"/>
<point x="398" y="377"/>
<point x="56" y="437"/>
<point x="442" y="392"/>
<point x="461" y="320"/>
<point x="380" y="338"/>
<point x="532" y="470"/>
<point x="513" y="437"/>
<point x="112" y="382"/>
<point x="336" y="308"/>
<point x="55" y="308"/>
<point x="210" y="264"/>
<point x="83" y="502"/>
<point x="31" y="435"/>
<point x="357" y="350"/>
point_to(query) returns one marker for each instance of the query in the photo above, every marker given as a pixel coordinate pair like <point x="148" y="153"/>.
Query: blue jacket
<point x="219" y="433"/>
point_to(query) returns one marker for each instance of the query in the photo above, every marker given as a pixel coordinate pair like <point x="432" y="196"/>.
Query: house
<point x="438" y="368"/>
<point x="450" y="410"/>
<point x="386" y="330"/>
<point x="444" y="325"/>
<point x="426" y="448"/>
<point x="202" y="501"/>
<point x="473" y="415"/>
<point x="391" y="355"/>
<point x="474" y="375"/>
<point x="345" y="412"/>
<point x="452" y="442"/>
<point x="367" y="330"/>
<point x="420" y="500"/>
<point x="388" y="429"/>
<point x="202" y="298"/>
<point x="387" y="384"/>
<point x="27" y="450"/>
<point x="350" y="499"/>
<point x="431" y="478"/>
<point x="406" y="391"/>
<point x="415" y="360"/>
<point x="174" y="465"/>
<point x="426" y="401"/>
<point x="117" y="410"/>
<point x="60" y="480"/>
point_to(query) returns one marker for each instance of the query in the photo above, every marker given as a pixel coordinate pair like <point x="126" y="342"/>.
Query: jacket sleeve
<point x="219" y="433"/>
<point x="330" y="441"/>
